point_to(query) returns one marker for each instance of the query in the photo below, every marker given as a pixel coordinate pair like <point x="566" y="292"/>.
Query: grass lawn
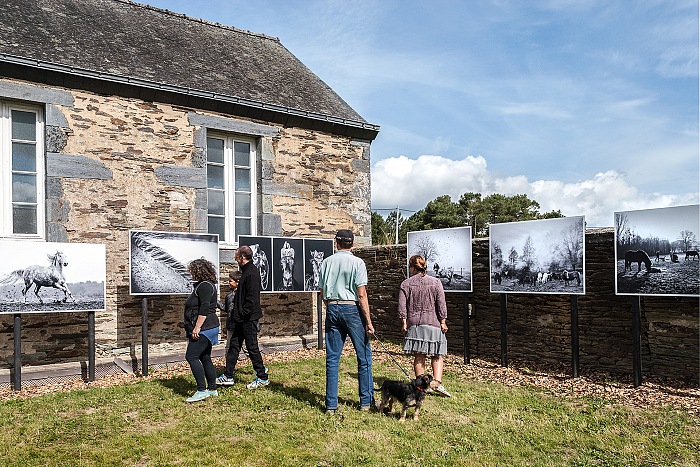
<point x="147" y="422"/>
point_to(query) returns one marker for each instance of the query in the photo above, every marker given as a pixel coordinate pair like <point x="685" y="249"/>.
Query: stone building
<point x="141" y="118"/>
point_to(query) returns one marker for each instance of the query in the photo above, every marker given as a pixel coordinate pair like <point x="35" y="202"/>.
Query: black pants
<point x="244" y="332"/>
<point x="198" y="355"/>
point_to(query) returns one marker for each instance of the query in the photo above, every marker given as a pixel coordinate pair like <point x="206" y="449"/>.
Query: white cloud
<point x="412" y="183"/>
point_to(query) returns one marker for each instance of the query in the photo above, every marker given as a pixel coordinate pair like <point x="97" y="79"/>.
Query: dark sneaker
<point x="224" y="380"/>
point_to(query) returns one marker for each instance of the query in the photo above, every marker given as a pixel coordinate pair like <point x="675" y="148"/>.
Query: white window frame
<point x="6" y="226"/>
<point x="230" y="233"/>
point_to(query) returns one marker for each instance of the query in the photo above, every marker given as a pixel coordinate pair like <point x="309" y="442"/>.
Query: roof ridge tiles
<point x="197" y="20"/>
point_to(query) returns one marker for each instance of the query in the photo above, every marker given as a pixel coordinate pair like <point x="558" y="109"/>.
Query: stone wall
<point x="539" y="326"/>
<point x="114" y="164"/>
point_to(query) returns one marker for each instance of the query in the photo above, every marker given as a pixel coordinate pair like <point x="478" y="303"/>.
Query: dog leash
<point x="386" y="349"/>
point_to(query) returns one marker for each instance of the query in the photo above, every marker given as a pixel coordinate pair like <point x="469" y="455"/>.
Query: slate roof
<point x="123" y="41"/>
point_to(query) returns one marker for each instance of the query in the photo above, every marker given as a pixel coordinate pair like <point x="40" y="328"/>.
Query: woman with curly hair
<point x="202" y="328"/>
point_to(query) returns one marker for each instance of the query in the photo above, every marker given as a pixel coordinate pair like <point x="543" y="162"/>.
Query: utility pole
<point x="397" y="224"/>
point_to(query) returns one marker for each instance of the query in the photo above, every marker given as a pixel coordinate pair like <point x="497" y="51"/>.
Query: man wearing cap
<point x="343" y="284"/>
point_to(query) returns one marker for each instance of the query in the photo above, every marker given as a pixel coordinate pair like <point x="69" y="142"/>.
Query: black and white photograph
<point x="448" y="254"/>
<point x="52" y="277"/>
<point x="543" y="256"/>
<point x="315" y="251"/>
<point x="158" y="260"/>
<point x="262" y="257"/>
<point x="288" y="264"/>
<point x="657" y="251"/>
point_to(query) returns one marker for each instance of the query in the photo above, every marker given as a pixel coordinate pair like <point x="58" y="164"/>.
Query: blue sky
<point x="586" y="106"/>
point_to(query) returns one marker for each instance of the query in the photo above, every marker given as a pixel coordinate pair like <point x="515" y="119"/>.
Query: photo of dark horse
<point x="42" y="276"/>
<point x="639" y="257"/>
<point x="665" y="235"/>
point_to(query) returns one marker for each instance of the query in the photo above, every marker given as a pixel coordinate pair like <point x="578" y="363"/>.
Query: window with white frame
<point x="231" y="187"/>
<point x="21" y="171"/>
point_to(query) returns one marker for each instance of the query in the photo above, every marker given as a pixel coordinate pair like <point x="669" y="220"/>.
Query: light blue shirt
<point x="341" y="274"/>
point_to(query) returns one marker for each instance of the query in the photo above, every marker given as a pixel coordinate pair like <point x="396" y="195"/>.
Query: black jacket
<point x="247" y="300"/>
<point x="202" y="301"/>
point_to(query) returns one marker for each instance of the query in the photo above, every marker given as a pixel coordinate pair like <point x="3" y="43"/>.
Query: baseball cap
<point x="345" y="235"/>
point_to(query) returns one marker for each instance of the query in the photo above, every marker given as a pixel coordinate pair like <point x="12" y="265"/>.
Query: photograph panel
<point x="448" y="254"/>
<point x="158" y="260"/>
<point x="52" y="277"/>
<point x="657" y="251"/>
<point x="545" y="256"/>
<point x="315" y="251"/>
<point x="288" y="264"/>
<point x="262" y="258"/>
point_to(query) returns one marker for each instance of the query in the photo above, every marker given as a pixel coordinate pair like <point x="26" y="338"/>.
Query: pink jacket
<point x="422" y="300"/>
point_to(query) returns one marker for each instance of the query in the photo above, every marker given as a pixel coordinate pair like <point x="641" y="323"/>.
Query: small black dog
<point x="409" y="394"/>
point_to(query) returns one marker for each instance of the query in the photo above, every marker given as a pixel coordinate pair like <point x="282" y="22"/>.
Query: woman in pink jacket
<point x="423" y="311"/>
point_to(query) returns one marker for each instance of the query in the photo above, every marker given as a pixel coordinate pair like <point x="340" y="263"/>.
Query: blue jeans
<point x="341" y="321"/>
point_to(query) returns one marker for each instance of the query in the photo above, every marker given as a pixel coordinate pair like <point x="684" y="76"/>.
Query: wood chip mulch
<point x="613" y="391"/>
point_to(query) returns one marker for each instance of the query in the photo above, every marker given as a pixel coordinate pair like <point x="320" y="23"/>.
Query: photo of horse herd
<point x="543" y="256"/>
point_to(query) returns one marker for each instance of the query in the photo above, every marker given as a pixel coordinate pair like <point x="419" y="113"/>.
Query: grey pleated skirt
<point x="425" y="339"/>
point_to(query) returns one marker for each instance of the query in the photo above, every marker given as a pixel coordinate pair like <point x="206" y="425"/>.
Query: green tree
<point x="497" y="208"/>
<point x="380" y="230"/>
<point x="440" y="213"/>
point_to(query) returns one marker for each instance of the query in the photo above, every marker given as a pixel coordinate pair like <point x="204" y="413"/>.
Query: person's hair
<point x="344" y="244"/>
<point x="245" y="252"/>
<point x="202" y="270"/>
<point x="235" y="275"/>
<point x="418" y="263"/>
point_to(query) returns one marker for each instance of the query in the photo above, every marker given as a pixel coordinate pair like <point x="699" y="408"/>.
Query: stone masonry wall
<point x="114" y="164"/>
<point x="539" y="326"/>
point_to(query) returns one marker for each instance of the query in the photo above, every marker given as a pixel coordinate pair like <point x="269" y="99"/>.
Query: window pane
<point x="23" y="188"/>
<point x="23" y="125"/>
<point x="24" y="219"/>
<point x="243" y="227"/>
<point x="24" y="157"/>
<point x="215" y="176"/>
<point x="216" y="226"/>
<point x="215" y="150"/>
<point x="241" y="153"/>
<point x="243" y="205"/>
<point x="216" y="202"/>
<point x="242" y="179"/>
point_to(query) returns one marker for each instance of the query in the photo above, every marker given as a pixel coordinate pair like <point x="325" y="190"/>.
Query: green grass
<point x="148" y="423"/>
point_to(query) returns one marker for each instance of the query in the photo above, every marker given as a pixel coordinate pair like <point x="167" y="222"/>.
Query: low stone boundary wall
<point x="539" y="326"/>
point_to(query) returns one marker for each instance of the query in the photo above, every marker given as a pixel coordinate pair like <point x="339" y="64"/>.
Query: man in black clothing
<point x="246" y="313"/>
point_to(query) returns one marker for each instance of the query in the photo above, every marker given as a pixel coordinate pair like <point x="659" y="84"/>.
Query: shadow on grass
<point x="180" y="385"/>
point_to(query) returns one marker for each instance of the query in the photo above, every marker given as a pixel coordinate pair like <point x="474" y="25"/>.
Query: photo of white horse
<point x="45" y="276"/>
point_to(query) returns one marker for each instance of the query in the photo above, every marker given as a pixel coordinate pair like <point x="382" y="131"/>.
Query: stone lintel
<point x="34" y="93"/>
<point x="182" y="176"/>
<point x="75" y="166"/>
<point x="229" y="124"/>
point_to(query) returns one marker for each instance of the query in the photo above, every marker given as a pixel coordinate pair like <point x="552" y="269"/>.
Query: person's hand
<point x="195" y="333"/>
<point x="404" y="327"/>
<point x="370" y="329"/>
<point x="443" y="326"/>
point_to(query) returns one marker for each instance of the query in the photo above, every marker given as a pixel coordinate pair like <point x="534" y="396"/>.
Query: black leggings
<point x="198" y="355"/>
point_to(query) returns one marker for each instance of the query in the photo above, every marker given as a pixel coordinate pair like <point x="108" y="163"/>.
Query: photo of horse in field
<point x="38" y="276"/>
<point x="663" y="244"/>
<point x="543" y="256"/>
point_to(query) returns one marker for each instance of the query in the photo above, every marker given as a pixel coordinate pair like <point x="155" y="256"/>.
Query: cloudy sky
<point x="586" y="106"/>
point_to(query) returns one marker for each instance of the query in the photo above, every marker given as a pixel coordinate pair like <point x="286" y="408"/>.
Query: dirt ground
<point x="614" y="391"/>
